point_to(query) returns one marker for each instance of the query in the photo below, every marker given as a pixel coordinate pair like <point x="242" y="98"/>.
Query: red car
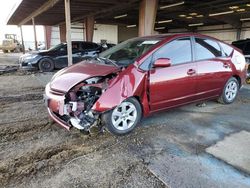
<point x="141" y="76"/>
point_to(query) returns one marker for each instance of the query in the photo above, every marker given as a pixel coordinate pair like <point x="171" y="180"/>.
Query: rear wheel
<point x="230" y="91"/>
<point x="124" y="118"/>
<point x="46" y="65"/>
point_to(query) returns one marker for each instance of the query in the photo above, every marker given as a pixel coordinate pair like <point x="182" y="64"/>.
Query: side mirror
<point x="162" y="62"/>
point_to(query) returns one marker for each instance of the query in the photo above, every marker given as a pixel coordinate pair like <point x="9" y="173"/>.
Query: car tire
<point x="5" y="51"/>
<point x="46" y="65"/>
<point x="124" y="118"/>
<point x="230" y="91"/>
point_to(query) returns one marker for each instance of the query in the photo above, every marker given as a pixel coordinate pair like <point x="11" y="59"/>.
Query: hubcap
<point x="46" y="65"/>
<point x="124" y="116"/>
<point x="231" y="90"/>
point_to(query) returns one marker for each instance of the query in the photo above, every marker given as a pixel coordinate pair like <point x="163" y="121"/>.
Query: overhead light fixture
<point x="172" y="5"/>
<point x="233" y="7"/>
<point x="129" y="26"/>
<point x="245" y="19"/>
<point x="182" y="15"/>
<point x="189" y="17"/>
<point x="164" y="21"/>
<point x="248" y="5"/>
<point x="159" y="28"/>
<point x="221" y="13"/>
<point x="196" y="24"/>
<point x="241" y="10"/>
<point x="120" y="16"/>
<point x="200" y="16"/>
<point x="193" y="14"/>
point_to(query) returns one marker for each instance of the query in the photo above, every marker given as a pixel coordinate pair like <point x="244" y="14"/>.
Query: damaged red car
<point x="141" y="76"/>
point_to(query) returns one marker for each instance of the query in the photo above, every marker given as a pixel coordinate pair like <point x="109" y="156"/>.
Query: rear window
<point x="226" y="49"/>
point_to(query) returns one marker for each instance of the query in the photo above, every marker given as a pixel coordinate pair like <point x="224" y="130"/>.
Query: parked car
<point x="244" y="45"/>
<point x="56" y="57"/>
<point x="142" y="76"/>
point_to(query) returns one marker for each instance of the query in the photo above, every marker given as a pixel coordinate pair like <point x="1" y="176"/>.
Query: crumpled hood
<point x="68" y="77"/>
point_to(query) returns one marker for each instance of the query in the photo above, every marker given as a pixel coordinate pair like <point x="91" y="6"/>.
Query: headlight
<point x="31" y="57"/>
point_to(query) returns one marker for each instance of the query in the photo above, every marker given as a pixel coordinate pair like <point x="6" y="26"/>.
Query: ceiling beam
<point x="120" y="6"/>
<point x="228" y="20"/>
<point x="46" y="6"/>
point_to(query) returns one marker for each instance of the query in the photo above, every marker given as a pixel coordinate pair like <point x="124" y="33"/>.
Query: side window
<point x="206" y="49"/>
<point x="226" y="49"/>
<point x="87" y="46"/>
<point x="179" y="51"/>
<point x="75" y="47"/>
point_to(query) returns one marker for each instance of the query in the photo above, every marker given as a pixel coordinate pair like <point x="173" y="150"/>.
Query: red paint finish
<point x="172" y="86"/>
<point x="158" y="88"/>
<point x="130" y="82"/>
<point x="70" y="76"/>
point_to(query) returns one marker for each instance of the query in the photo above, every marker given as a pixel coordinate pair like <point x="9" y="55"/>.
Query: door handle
<point x="225" y="65"/>
<point x="191" y="72"/>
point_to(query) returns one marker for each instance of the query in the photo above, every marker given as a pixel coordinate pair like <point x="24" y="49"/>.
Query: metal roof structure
<point x="171" y="13"/>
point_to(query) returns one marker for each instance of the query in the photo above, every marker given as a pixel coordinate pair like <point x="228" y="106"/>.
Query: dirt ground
<point x="166" y="150"/>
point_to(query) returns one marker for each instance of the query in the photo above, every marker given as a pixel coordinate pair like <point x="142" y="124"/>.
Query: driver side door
<point x="174" y="85"/>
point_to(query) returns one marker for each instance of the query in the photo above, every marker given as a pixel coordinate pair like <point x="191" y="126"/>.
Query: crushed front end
<point x="74" y="108"/>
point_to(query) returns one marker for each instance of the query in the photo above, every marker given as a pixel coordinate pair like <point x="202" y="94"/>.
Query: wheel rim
<point x="46" y="65"/>
<point x="124" y="116"/>
<point x="231" y="90"/>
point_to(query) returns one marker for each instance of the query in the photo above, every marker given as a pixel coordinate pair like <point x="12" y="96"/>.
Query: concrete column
<point x="21" y="31"/>
<point x="238" y="32"/>
<point x="47" y="33"/>
<point x="34" y="28"/>
<point x="68" y="31"/>
<point x="147" y="15"/>
<point x="89" y="28"/>
<point x="62" y="30"/>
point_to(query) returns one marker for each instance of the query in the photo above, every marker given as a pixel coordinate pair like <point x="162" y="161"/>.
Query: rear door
<point x="174" y="85"/>
<point x="213" y="68"/>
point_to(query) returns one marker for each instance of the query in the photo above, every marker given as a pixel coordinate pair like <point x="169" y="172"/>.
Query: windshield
<point x="126" y="52"/>
<point x="56" y="46"/>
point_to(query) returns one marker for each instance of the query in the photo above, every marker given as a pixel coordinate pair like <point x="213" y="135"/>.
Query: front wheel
<point x="124" y="118"/>
<point x="230" y="91"/>
<point x="46" y="65"/>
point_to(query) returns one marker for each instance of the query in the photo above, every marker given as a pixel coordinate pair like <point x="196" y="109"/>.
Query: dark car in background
<point x="244" y="45"/>
<point x="56" y="57"/>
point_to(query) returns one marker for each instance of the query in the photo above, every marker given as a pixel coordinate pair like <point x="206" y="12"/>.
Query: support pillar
<point x="89" y="28"/>
<point x="34" y="28"/>
<point x="21" y="31"/>
<point x="238" y="34"/>
<point x="47" y="33"/>
<point x="68" y="30"/>
<point x="62" y="30"/>
<point x="147" y="15"/>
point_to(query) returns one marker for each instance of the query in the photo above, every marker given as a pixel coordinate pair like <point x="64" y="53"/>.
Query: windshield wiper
<point x="106" y="60"/>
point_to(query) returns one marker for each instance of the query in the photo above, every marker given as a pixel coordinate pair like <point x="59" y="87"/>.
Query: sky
<point x="6" y="8"/>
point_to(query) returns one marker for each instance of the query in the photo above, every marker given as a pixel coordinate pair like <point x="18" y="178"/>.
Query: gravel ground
<point x="166" y="150"/>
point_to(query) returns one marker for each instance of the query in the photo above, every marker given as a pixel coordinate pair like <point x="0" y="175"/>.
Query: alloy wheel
<point x="231" y="90"/>
<point x="124" y="116"/>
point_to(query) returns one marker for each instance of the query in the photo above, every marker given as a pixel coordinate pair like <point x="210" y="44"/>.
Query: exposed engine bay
<point x="80" y="99"/>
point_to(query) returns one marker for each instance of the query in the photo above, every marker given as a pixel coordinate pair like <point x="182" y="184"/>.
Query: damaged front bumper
<point x="69" y="114"/>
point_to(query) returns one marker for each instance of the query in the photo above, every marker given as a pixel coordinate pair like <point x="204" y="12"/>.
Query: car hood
<point x="68" y="77"/>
